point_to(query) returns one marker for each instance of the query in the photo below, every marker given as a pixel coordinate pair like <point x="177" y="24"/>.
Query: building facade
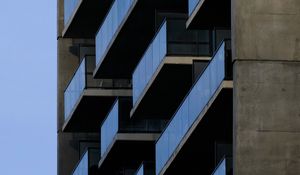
<point x="167" y="87"/>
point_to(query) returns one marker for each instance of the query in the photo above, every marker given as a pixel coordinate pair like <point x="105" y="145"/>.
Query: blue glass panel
<point x="149" y="62"/>
<point x="194" y="103"/>
<point x="192" y="5"/>
<point x="69" y="7"/>
<point x="110" y="26"/>
<point x="162" y="152"/>
<point x="184" y="113"/>
<point x="83" y="166"/>
<point x="75" y="88"/>
<point x="221" y="169"/>
<point x="109" y="128"/>
<point x="140" y="171"/>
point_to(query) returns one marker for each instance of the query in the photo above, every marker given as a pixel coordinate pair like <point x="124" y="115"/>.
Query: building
<point x="167" y="87"/>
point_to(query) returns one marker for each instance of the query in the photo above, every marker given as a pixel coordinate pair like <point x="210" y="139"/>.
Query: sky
<point x="28" y="87"/>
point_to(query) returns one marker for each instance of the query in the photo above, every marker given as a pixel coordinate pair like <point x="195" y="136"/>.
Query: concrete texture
<point x="60" y="17"/>
<point x="266" y="29"/>
<point x="266" y="117"/>
<point x="266" y="54"/>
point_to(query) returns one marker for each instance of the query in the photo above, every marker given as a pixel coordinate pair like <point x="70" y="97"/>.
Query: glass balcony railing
<point x="224" y="167"/>
<point x="118" y="121"/>
<point x="88" y="164"/>
<point x="171" y="36"/>
<point x="75" y="88"/>
<point x="200" y="94"/>
<point x="149" y="63"/>
<point x="109" y="128"/>
<point x="192" y="5"/>
<point x="82" y="79"/>
<point x="110" y="26"/>
<point x="69" y="7"/>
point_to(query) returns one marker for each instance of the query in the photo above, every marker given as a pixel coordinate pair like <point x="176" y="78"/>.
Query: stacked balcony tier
<point x="215" y="77"/>
<point x="84" y="95"/>
<point x="76" y="13"/>
<point x="163" y="76"/>
<point x="88" y="163"/>
<point x="127" y="31"/>
<point x="130" y="138"/>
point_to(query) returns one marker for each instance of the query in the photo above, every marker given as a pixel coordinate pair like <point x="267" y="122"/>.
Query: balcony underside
<point x="210" y="13"/>
<point x="166" y="89"/>
<point x="86" y="19"/>
<point x="91" y="109"/>
<point x="133" y="37"/>
<point x="128" y="150"/>
<point x="196" y="152"/>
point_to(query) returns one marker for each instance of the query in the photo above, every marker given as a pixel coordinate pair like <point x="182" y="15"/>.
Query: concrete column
<point x="266" y="53"/>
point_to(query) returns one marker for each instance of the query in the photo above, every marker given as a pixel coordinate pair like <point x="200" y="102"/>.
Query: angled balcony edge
<point x="207" y="13"/>
<point x="78" y="27"/>
<point x="203" y="97"/>
<point x="94" y="96"/>
<point x="225" y="85"/>
<point x="71" y="17"/>
<point x="179" y="61"/>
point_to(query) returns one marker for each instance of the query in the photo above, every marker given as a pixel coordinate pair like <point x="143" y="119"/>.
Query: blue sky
<point x="28" y="87"/>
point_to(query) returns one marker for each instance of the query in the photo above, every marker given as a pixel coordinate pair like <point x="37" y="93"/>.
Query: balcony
<point x="126" y="32"/>
<point x="209" y="13"/>
<point x="88" y="163"/>
<point x="77" y="11"/>
<point x="84" y="95"/>
<point x="146" y="169"/>
<point x="125" y="140"/>
<point x="163" y="75"/>
<point x="206" y="109"/>
<point x="224" y="167"/>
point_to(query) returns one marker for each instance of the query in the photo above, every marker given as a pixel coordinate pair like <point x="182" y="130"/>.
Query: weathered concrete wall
<point x="266" y="29"/>
<point x="266" y="53"/>
<point x="267" y="118"/>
